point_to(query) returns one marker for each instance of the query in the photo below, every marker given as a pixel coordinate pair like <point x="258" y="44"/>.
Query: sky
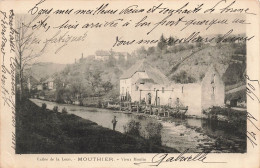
<point x="104" y="38"/>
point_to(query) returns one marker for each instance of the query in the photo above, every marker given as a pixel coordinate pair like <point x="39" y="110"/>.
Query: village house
<point x="49" y="83"/>
<point x="118" y="55"/>
<point x="104" y="55"/>
<point x="236" y="95"/>
<point x="39" y="87"/>
<point x="145" y="83"/>
<point x="31" y="83"/>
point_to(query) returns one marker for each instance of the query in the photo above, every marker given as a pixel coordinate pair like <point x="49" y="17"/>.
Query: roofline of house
<point x="131" y="75"/>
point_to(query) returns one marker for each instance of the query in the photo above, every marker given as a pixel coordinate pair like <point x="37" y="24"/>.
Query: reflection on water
<point x="176" y="133"/>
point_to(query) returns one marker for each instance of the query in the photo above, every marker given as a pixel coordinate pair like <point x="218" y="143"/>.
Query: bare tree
<point x="26" y="45"/>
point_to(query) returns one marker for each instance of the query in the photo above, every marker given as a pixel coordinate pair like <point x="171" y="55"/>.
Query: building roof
<point x="50" y="79"/>
<point x="32" y="79"/>
<point x="237" y="93"/>
<point x="120" y="54"/>
<point x="144" y="66"/>
<point x="145" y="80"/>
<point x="103" y="53"/>
<point x="211" y="70"/>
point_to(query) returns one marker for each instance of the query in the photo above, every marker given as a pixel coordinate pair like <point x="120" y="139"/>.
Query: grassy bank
<point x="45" y="131"/>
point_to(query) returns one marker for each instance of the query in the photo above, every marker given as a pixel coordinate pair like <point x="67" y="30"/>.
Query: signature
<point x="250" y="134"/>
<point x="160" y="158"/>
<point x="251" y="89"/>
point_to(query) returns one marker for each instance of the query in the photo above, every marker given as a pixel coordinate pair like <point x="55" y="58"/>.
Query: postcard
<point x="118" y="83"/>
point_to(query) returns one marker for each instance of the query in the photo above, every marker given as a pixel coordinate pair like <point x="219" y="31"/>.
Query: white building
<point x="39" y="87"/>
<point x="104" y="55"/>
<point x="49" y="83"/>
<point x="143" y="82"/>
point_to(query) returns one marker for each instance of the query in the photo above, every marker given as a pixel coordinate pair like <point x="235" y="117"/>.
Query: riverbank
<point x="196" y="134"/>
<point x="45" y="131"/>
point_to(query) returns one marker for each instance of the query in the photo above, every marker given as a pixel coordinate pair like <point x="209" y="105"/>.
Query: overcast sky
<point x="104" y="38"/>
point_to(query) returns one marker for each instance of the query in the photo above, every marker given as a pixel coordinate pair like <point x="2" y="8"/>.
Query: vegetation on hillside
<point x="181" y="63"/>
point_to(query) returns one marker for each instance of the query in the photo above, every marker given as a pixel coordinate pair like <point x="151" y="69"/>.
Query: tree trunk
<point x="21" y="78"/>
<point x="21" y="84"/>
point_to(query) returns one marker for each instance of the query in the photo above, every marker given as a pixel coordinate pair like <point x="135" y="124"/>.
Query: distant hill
<point x="192" y="64"/>
<point x="45" y="69"/>
<point x="197" y="64"/>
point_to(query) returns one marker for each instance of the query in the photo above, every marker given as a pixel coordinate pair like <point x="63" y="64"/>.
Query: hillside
<point x="45" y="69"/>
<point x="184" y="63"/>
<point x="194" y="63"/>
<point x="197" y="64"/>
<point x="90" y="78"/>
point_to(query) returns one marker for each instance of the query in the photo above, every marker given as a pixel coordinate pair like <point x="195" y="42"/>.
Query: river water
<point x="176" y="133"/>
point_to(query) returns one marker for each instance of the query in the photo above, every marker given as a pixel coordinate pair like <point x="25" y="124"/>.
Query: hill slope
<point x="45" y="69"/>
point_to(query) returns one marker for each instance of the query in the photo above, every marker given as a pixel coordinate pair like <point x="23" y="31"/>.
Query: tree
<point x="199" y="42"/>
<point x="121" y="60"/>
<point x="150" y="50"/>
<point x="141" y="52"/>
<point x="107" y="86"/>
<point x="183" y="77"/>
<point x="162" y="44"/>
<point x="111" y="62"/>
<point x="93" y="77"/>
<point x="77" y="87"/>
<point x="25" y="43"/>
<point x="171" y="41"/>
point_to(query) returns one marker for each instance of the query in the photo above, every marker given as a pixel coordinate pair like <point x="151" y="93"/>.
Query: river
<point x="176" y="133"/>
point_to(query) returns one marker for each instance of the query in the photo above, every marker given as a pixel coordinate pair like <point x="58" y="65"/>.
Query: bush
<point x="55" y="108"/>
<point x="64" y="111"/>
<point x="44" y="106"/>
<point x="99" y="105"/>
<point x="154" y="132"/>
<point x="133" y="128"/>
<point x="183" y="77"/>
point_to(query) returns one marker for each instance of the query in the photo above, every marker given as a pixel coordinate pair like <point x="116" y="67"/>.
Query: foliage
<point x="25" y="49"/>
<point x="240" y="48"/>
<point x="170" y="41"/>
<point x="183" y="77"/>
<point x="64" y="110"/>
<point x="141" y="52"/>
<point x="162" y="44"/>
<point x="52" y="132"/>
<point x="151" y="50"/>
<point x="133" y="128"/>
<point x="154" y="132"/>
<point x="55" y="108"/>
<point x="44" y="106"/>
<point x="97" y="78"/>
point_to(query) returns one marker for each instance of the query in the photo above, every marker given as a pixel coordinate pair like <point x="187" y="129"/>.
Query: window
<point x="162" y="89"/>
<point x="170" y="102"/>
<point x="136" y="87"/>
<point x="182" y="89"/>
<point x="213" y="79"/>
<point x="213" y="90"/>
<point x="123" y="90"/>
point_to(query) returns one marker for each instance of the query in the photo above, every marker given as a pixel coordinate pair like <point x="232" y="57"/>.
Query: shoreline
<point x="230" y="137"/>
<point x="45" y="131"/>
